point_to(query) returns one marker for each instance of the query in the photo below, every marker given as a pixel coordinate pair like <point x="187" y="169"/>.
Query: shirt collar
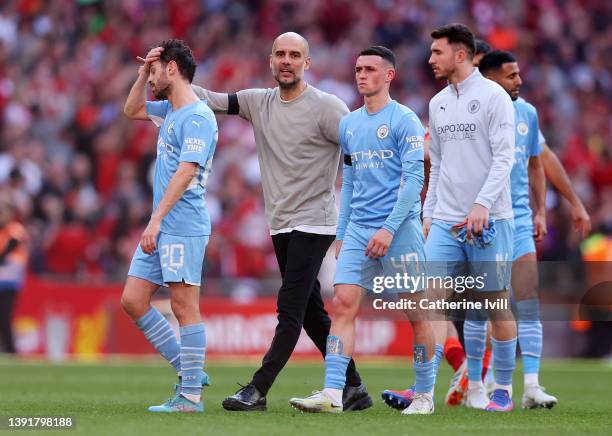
<point x="464" y="86"/>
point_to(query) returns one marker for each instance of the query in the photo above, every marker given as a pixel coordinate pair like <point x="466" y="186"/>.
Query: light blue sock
<point x="193" y="349"/>
<point x="425" y="371"/>
<point x="475" y="338"/>
<point x="438" y="353"/>
<point x="530" y="334"/>
<point x="335" y="364"/>
<point x="504" y="355"/>
<point x="158" y="332"/>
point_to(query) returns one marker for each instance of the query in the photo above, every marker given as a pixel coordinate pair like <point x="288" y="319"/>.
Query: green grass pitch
<point x="111" y="399"/>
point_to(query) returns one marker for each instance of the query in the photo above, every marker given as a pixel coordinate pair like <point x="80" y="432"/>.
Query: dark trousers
<point x="299" y="303"/>
<point x="7" y="301"/>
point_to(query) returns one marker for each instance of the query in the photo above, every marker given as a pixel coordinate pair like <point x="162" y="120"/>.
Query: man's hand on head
<point x="153" y="55"/>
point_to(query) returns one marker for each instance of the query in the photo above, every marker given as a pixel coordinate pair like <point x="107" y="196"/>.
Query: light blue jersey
<point x="186" y="135"/>
<point x="527" y="144"/>
<point x="541" y="138"/>
<point x="382" y="179"/>
<point x="377" y="145"/>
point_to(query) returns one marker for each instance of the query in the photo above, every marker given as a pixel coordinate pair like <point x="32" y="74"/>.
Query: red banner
<point x="63" y="319"/>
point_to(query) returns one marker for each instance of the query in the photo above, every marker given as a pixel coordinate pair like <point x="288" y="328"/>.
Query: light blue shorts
<point x="406" y="255"/>
<point x="177" y="259"/>
<point x="491" y="266"/>
<point x="523" y="237"/>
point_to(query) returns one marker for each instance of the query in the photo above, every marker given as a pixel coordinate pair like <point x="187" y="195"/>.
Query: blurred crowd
<point x="79" y="172"/>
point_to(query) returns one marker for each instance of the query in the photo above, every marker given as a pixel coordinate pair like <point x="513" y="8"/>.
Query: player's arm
<point x="176" y="188"/>
<point x="413" y="176"/>
<point x="536" y="177"/>
<point x="218" y="102"/>
<point x="435" y="156"/>
<point x="410" y="137"/>
<point x="346" y="195"/>
<point x="427" y="162"/>
<point x="501" y="138"/>
<point x="537" y="183"/>
<point x="558" y="177"/>
<point x="135" y="104"/>
<point x="346" y="190"/>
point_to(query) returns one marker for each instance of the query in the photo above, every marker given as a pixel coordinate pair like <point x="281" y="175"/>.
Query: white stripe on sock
<point x="167" y="336"/>
<point x="149" y="330"/>
<point x="162" y="343"/>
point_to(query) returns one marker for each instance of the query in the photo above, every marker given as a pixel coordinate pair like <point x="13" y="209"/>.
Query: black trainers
<point x="247" y="398"/>
<point x="356" y="398"/>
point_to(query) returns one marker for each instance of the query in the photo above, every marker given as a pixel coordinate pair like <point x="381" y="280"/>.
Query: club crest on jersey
<point x="522" y="128"/>
<point x="383" y="131"/>
<point x="473" y="106"/>
<point x="171" y="128"/>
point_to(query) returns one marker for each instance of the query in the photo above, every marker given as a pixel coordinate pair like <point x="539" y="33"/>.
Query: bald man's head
<point x="292" y="38"/>
<point x="289" y="59"/>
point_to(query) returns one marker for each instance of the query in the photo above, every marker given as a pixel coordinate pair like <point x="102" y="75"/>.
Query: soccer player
<point x="553" y="168"/>
<point x="471" y="151"/>
<point x="453" y="349"/>
<point x="296" y="134"/>
<point x="527" y="172"/>
<point x="171" y="249"/>
<point x="555" y="172"/>
<point x="379" y="227"/>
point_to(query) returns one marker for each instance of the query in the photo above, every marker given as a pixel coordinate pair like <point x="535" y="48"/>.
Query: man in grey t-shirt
<point x="296" y="133"/>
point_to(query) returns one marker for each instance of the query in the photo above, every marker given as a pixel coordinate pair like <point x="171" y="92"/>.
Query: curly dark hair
<point x="178" y="51"/>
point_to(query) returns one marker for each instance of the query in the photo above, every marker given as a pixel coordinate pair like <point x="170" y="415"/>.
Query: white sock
<point x="505" y="388"/>
<point x="192" y="397"/>
<point x="335" y="395"/>
<point x="531" y="379"/>
<point x="475" y="384"/>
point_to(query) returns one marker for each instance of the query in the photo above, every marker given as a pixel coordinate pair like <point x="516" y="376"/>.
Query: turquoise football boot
<point x="178" y="404"/>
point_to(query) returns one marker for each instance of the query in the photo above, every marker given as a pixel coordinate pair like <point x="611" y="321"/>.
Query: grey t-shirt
<point x="298" y="151"/>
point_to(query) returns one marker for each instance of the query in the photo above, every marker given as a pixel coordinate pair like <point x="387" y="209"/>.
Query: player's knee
<point x="504" y="328"/>
<point x="344" y="306"/>
<point x="133" y="306"/>
<point x="527" y="292"/>
<point x="184" y="311"/>
<point x="420" y="326"/>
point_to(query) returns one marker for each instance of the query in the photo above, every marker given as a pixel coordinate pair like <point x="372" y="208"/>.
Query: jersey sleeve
<point x="541" y="138"/>
<point x="332" y="111"/>
<point x="196" y="137"/>
<point x="410" y="136"/>
<point x="346" y="190"/>
<point x="342" y="136"/>
<point x="157" y="110"/>
<point x="435" y="157"/>
<point x="535" y="146"/>
<point x="250" y="101"/>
